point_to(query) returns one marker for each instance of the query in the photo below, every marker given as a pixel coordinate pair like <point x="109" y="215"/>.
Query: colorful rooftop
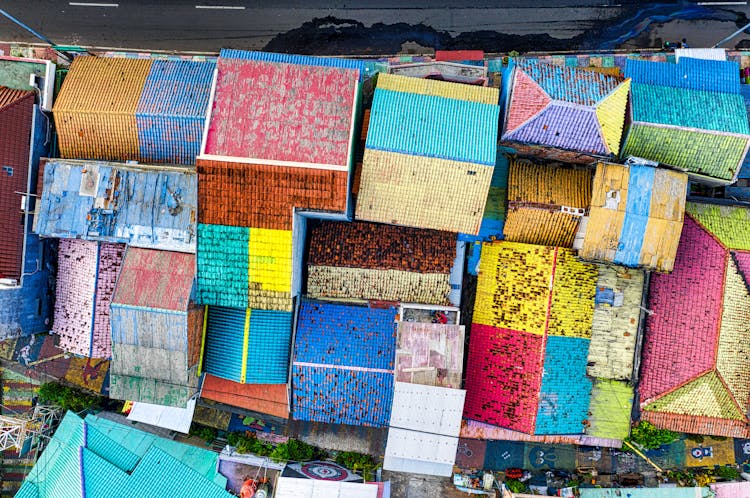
<point x="529" y="343"/>
<point x="689" y="115"/>
<point x="362" y="260"/>
<point x="16" y="115"/>
<point x="636" y="216"/>
<point x="343" y="364"/>
<point x="545" y="203"/>
<point x="564" y="113"/>
<point x="421" y="170"/>
<point x="430" y="354"/>
<point x="143" y="206"/>
<point x="272" y="399"/>
<point x="86" y="277"/>
<point x="152" y="111"/>
<point x="694" y="353"/>
<point x="96" y="457"/>
<point x="156" y="334"/>
<point x="248" y="346"/>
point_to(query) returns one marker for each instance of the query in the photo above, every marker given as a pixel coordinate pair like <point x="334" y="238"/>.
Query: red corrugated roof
<point x="155" y="279"/>
<point x="264" y="398"/>
<point x="459" y="55"/>
<point x="283" y="112"/>
<point x="16" y="113"/>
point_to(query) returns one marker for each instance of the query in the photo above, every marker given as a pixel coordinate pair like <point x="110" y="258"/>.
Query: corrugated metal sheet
<point x="420" y="452"/>
<point x="269" y="193"/>
<point x="430" y="409"/>
<point x="167" y="393"/>
<point x="171" y="112"/>
<point x="149" y="328"/>
<point x="430" y="354"/>
<point x="302" y="60"/>
<point x="424" y="125"/>
<point x="264" y="398"/>
<point x="16" y="113"/>
<point x="140" y="206"/>
<point x="435" y="88"/>
<point x="95" y="109"/>
<point x="156" y="279"/>
<point x="290" y="487"/>
<point x="688" y="73"/>
<point x="422" y="192"/>
<point x="611" y="406"/>
<point x="645" y="493"/>
<point x="585" y="88"/>
<point x="299" y="114"/>
<point x="224" y="342"/>
<point x="109" y="265"/>
<point x="459" y="55"/>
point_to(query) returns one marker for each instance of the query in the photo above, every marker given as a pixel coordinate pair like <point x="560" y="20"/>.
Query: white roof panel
<point x="290" y="487"/>
<point x="714" y="54"/>
<point x="412" y="449"/>
<point x="168" y="417"/>
<point x="428" y="409"/>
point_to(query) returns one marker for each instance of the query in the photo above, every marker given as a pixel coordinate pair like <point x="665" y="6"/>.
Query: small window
<point x="8" y="170"/>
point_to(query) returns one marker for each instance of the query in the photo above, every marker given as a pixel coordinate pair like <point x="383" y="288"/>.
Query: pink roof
<point x="743" y="264"/>
<point x="503" y="377"/>
<point x="156" y="279"/>
<point x="282" y="112"/>
<point x="682" y="333"/>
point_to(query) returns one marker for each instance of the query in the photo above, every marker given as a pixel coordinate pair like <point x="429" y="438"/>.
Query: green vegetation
<point x="69" y="398"/>
<point x="357" y="462"/>
<point x="515" y="486"/>
<point x="248" y="443"/>
<point x="727" y="472"/>
<point x="208" y="434"/>
<point x="296" y="451"/>
<point x="649" y="437"/>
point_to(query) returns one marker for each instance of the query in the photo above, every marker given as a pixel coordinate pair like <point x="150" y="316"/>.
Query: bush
<point x="647" y="435"/>
<point x="248" y="443"/>
<point x="727" y="472"/>
<point x="68" y="398"/>
<point x="296" y="451"/>
<point x="208" y="434"/>
<point x="515" y="486"/>
<point x="357" y="462"/>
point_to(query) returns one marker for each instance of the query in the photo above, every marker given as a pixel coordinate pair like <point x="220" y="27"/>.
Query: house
<point x="140" y="205"/>
<point x="545" y="203"/>
<point x="562" y="113"/>
<point x="118" y="109"/>
<point x="366" y="261"/>
<point x="342" y="370"/>
<point x="539" y="362"/>
<point x="429" y="156"/>
<point x="26" y="261"/>
<point x="86" y="276"/>
<point x="157" y="331"/>
<point x="96" y="456"/>
<point x="695" y="354"/>
<point x="636" y="216"/>
<point x="690" y="116"/>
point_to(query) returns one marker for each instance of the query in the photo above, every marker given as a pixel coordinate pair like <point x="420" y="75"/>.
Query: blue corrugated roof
<point x="268" y="347"/>
<point x="304" y="60"/>
<point x="637" y="210"/>
<point x="144" y="208"/>
<point x="688" y="108"/>
<point x="688" y="73"/>
<point x="431" y="126"/>
<point x="345" y="335"/>
<point x="568" y="84"/>
<point x="224" y="340"/>
<point x="565" y="391"/>
<point x="340" y="396"/>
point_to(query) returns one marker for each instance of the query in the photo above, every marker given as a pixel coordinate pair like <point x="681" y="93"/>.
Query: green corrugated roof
<point x="716" y="156"/>
<point x="724" y="112"/>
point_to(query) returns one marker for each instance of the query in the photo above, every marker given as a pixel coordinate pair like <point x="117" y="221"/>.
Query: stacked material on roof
<point x="156" y="331"/>
<point x="695" y="351"/>
<point x="99" y="457"/>
<point x="133" y="109"/>
<point x="244" y="267"/>
<point x="429" y="156"/>
<point x="443" y="71"/>
<point x="16" y="116"/>
<point x="545" y="203"/>
<point x="430" y="354"/>
<point x="636" y="216"/>
<point x="529" y="343"/>
<point x="86" y="277"/>
<point x="690" y="116"/>
<point x="562" y="113"/>
<point x="380" y="262"/>
<point x="144" y="206"/>
<point x="248" y="346"/>
<point x="271" y="399"/>
<point x="423" y="431"/>
<point x="343" y="364"/>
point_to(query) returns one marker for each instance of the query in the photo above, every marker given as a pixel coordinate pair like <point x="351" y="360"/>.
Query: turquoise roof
<point x="687" y="108"/>
<point x="99" y="457"/>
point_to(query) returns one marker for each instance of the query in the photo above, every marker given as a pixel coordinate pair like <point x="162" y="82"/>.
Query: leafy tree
<point x="650" y="437"/>
<point x="68" y="398"/>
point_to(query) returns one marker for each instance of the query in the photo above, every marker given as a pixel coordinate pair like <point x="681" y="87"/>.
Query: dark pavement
<point x="371" y="27"/>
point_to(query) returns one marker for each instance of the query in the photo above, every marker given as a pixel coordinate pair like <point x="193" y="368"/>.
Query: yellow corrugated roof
<point x="548" y="184"/>
<point x="458" y="91"/>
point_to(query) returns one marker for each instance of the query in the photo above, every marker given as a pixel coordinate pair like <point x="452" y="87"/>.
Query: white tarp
<point x="713" y="54"/>
<point x="290" y="487"/>
<point x="424" y="429"/>
<point x="168" y="417"/>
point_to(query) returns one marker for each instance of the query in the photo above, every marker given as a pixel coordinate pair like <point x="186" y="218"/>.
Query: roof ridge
<point x="731" y="394"/>
<point x="669" y="391"/>
<point x="12" y="96"/>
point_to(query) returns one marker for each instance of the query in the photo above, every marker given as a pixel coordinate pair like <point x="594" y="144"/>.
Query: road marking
<point x="85" y="4"/>
<point x="221" y="7"/>
<point x="722" y="3"/>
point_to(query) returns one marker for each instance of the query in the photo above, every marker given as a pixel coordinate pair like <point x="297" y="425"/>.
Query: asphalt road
<point x="375" y="26"/>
